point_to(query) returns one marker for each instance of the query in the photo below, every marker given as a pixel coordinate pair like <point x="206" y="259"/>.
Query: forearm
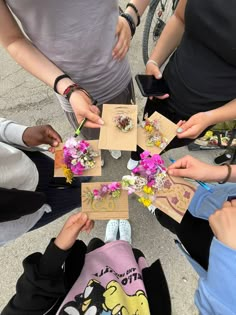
<point x="11" y="132"/>
<point x="219" y="173"/>
<point x="33" y="61"/>
<point x="168" y="41"/>
<point x="216" y="293"/>
<point x="141" y="6"/>
<point x="221" y="114"/>
<point x="171" y="35"/>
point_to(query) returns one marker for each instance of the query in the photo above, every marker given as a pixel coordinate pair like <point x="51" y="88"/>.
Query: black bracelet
<point x="131" y="5"/>
<point x="130" y="21"/>
<point x="227" y="177"/>
<point x="60" y="77"/>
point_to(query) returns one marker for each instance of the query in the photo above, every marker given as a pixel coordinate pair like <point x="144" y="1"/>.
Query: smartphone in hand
<point x="150" y="86"/>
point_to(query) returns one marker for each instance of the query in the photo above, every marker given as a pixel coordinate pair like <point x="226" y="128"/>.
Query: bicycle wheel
<point x="159" y="12"/>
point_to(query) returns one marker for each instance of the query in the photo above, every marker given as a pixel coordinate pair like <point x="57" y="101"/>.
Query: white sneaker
<point x="152" y="209"/>
<point x="111" y="231"/>
<point x="132" y="164"/>
<point x="125" y="230"/>
<point x="116" y="154"/>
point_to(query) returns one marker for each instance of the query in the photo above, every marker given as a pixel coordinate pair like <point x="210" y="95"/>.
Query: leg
<point x="195" y="234"/>
<point x="61" y="196"/>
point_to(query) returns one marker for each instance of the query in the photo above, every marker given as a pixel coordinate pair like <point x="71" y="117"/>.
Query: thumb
<point x="79" y="221"/>
<point x="52" y="137"/>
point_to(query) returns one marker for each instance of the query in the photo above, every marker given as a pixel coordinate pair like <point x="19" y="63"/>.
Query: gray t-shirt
<point x="78" y="36"/>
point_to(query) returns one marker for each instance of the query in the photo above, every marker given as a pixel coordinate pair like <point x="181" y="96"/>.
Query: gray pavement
<point x="28" y="101"/>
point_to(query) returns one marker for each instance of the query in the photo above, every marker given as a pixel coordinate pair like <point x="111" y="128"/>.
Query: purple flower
<point x="151" y="183"/>
<point x="174" y="200"/>
<point x="77" y="169"/>
<point x="144" y="155"/>
<point x="70" y="143"/>
<point x="114" y="186"/>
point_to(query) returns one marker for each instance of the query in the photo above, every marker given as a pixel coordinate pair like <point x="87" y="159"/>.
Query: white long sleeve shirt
<point x="16" y="171"/>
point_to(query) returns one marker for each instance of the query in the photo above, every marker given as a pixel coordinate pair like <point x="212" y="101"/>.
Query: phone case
<point x="139" y="83"/>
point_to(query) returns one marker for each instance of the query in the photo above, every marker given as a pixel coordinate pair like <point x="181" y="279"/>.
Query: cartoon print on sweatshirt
<point x="96" y="300"/>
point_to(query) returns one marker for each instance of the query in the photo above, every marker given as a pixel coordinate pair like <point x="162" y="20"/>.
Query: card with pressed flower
<point x="105" y="201"/>
<point x="77" y="158"/>
<point x="119" y="131"/>
<point x="155" y="133"/>
<point x="173" y="198"/>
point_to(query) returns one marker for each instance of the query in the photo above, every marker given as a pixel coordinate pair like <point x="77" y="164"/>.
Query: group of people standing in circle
<point x="79" y="48"/>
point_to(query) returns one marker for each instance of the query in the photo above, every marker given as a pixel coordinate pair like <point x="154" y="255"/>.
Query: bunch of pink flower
<point x="146" y="178"/>
<point x="78" y="156"/>
<point x="112" y="190"/>
<point x="150" y="167"/>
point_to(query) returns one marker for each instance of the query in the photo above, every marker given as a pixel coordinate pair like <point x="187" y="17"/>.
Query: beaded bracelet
<point x="131" y="5"/>
<point x="75" y="87"/>
<point x="59" y="78"/>
<point x="228" y="174"/>
<point x="130" y="21"/>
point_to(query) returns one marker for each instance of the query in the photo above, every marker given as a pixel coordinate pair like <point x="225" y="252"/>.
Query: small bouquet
<point x="124" y="123"/>
<point x="112" y="190"/>
<point x="154" y="135"/>
<point x="147" y="178"/>
<point x="78" y="156"/>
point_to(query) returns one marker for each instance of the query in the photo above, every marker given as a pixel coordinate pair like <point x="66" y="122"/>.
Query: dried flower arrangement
<point x="123" y="122"/>
<point x="154" y="134"/>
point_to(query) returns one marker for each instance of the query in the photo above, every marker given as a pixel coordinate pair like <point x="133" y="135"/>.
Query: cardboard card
<point x="111" y="137"/>
<point x="96" y="171"/>
<point x="167" y="128"/>
<point x="174" y="198"/>
<point x="107" y="208"/>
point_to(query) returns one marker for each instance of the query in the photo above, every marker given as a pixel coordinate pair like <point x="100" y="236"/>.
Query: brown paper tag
<point x="107" y="208"/>
<point x="96" y="171"/>
<point x="168" y="130"/>
<point x="111" y="137"/>
<point x="174" y="198"/>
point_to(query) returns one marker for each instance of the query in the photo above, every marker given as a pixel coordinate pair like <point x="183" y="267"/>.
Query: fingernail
<point x="179" y="130"/>
<point x="101" y="122"/>
<point x="159" y="76"/>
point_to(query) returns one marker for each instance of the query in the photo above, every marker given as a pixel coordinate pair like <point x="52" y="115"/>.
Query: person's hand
<point x="123" y="34"/>
<point x="154" y="70"/>
<point x="190" y="167"/>
<point x="223" y="224"/>
<point x="74" y="225"/>
<point x="83" y="108"/>
<point x="37" y="135"/>
<point x="193" y="127"/>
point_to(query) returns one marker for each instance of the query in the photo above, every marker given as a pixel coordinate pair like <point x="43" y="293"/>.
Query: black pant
<point x="61" y="196"/>
<point x="195" y="234"/>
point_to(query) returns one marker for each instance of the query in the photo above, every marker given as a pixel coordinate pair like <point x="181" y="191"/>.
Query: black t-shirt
<point x="201" y="73"/>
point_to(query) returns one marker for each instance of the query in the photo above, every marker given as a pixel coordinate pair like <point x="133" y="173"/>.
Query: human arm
<point x="43" y="280"/>
<point x="196" y="124"/>
<point x="216" y="292"/>
<point x="123" y="31"/>
<point x="31" y="59"/>
<point x="13" y="133"/>
<point x="168" y="41"/>
<point x="191" y="167"/>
